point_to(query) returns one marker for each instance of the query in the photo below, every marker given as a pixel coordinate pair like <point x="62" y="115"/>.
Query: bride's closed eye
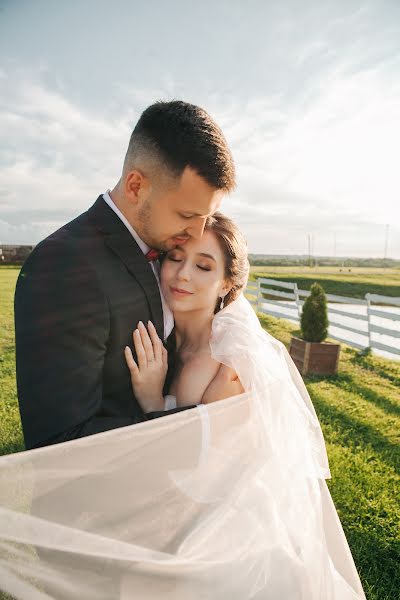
<point x="177" y="259"/>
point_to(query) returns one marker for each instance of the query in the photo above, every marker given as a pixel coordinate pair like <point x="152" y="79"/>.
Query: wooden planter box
<point x="315" y="358"/>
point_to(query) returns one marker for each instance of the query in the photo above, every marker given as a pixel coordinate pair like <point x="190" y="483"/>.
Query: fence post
<point x="296" y="294"/>
<point x="367" y="297"/>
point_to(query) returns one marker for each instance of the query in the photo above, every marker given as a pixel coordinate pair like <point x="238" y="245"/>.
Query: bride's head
<point x="198" y="274"/>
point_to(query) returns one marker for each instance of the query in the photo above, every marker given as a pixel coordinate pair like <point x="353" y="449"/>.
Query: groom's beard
<point x="145" y="232"/>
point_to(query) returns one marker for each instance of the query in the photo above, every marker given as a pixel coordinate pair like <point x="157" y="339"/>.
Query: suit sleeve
<point x="62" y="327"/>
<point x="99" y="424"/>
<point x="163" y="413"/>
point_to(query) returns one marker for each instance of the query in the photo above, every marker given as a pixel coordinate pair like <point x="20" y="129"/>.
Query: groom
<point x="84" y="289"/>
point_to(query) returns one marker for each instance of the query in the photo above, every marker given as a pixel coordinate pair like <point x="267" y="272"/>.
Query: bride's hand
<point x="225" y="384"/>
<point x="148" y="374"/>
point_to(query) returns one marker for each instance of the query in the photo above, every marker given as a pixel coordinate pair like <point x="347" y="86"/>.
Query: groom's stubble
<point x="176" y="210"/>
<point x="145" y="228"/>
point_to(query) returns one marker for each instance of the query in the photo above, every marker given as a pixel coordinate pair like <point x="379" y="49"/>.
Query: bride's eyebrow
<point x="206" y="255"/>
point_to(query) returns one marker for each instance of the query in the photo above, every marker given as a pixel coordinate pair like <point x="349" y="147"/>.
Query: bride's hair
<point x="234" y="248"/>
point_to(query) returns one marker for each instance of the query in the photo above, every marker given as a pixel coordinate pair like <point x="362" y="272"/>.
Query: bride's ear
<point x="226" y="289"/>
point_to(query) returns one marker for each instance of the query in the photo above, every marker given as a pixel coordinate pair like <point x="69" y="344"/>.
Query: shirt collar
<point x="142" y="245"/>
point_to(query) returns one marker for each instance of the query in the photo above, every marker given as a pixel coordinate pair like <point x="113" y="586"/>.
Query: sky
<point x="307" y="94"/>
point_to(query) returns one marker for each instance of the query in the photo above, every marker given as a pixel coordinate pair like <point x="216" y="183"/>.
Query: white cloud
<point x="56" y="158"/>
<point x="326" y="165"/>
<point x="323" y="163"/>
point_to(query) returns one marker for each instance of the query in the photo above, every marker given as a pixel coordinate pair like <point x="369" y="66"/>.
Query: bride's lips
<point x="179" y="293"/>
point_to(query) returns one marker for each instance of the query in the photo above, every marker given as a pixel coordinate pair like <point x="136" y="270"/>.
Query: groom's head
<point x="176" y="171"/>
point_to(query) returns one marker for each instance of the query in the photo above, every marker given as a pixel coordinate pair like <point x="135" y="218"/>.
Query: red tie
<point x="152" y="254"/>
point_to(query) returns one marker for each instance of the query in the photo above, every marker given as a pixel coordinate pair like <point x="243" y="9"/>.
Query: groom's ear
<point x="137" y="186"/>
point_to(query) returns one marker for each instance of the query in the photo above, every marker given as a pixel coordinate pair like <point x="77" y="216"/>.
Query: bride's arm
<point x="225" y="384"/>
<point x="195" y="378"/>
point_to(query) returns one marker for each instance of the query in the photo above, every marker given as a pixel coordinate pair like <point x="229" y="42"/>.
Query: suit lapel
<point x="120" y="241"/>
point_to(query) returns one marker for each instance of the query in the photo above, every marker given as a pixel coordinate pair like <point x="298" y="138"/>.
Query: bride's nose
<point x="184" y="272"/>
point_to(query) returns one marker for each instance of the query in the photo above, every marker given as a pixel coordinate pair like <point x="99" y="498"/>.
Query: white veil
<point x="227" y="500"/>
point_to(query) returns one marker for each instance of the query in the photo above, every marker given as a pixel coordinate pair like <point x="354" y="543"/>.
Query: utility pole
<point x="313" y="250"/>
<point x="386" y="245"/>
<point x="309" y="250"/>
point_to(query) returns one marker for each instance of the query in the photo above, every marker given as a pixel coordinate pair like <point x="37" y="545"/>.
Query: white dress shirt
<point x="155" y="265"/>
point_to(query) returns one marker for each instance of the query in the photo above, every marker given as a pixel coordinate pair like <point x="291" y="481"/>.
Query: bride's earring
<point x="221" y="306"/>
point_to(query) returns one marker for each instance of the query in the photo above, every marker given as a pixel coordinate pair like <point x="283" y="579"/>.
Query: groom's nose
<point x="196" y="227"/>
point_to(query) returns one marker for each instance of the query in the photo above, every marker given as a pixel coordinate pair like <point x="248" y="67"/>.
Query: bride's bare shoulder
<point x="195" y="377"/>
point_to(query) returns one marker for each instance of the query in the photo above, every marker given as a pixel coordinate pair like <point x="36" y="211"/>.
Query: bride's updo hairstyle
<point x="234" y="248"/>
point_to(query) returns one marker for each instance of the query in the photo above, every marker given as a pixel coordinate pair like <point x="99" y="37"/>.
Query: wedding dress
<point x="226" y="500"/>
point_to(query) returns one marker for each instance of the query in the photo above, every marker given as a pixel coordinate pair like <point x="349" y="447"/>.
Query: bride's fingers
<point x="146" y="341"/>
<point x="130" y="361"/>
<point x="164" y="354"/>
<point x="139" y="349"/>
<point x="157" y="343"/>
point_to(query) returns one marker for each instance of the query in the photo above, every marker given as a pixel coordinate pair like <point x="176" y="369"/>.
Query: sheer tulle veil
<point x="227" y="500"/>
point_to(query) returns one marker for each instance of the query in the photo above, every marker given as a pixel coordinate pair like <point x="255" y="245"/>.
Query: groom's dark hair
<point x="174" y="135"/>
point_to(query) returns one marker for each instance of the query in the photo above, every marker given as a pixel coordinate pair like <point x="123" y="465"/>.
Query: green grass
<point x="354" y="282"/>
<point x="359" y="411"/>
<point x="10" y="425"/>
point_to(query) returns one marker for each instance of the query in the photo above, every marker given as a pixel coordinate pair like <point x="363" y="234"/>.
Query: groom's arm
<point x="62" y="328"/>
<point x="163" y="413"/>
<point x="100" y="424"/>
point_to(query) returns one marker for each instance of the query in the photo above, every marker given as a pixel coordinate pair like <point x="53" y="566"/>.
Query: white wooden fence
<point x="363" y="317"/>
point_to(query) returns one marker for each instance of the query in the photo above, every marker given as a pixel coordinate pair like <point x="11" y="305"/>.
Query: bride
<point x="197" y="280"/>
<point x="226" y="500"/>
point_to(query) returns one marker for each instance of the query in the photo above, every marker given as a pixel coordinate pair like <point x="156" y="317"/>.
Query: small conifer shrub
<point x="314" y="317"/>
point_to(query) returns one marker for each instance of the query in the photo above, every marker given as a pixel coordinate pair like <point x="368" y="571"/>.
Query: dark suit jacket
<point x="79" y="295"/>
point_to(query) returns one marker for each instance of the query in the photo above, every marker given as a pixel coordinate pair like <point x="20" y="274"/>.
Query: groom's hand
<point x="149" y="372"/>
<point x="225" y="384"/>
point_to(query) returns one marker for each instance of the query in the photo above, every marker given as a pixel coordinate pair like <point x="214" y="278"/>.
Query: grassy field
<point x="359" y="410"/>
<point x="353" y="282"/>
<point x="10" y="426"/>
